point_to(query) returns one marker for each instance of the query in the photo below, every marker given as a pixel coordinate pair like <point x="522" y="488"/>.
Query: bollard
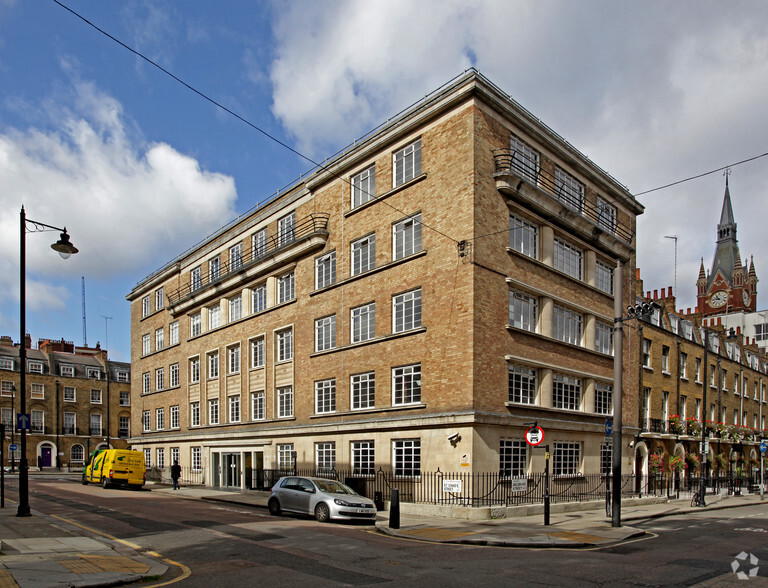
<point x="394" y="510"/>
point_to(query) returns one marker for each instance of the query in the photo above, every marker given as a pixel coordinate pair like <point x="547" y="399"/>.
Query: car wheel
<point x="105" y="483"/>
<point x="322" y="513"/>
<point x="84" y="481"/>
<point x="274" y="507"/>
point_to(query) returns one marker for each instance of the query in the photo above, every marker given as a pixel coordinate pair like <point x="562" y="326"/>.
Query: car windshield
<point x="332" y="487"/>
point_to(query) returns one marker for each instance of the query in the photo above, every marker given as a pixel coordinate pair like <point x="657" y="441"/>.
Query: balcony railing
<point x="314" y="224"/>
<point x="509" y="162"/>
<point x="653" y="426"/>
<point x="69" y="430"/>
<point x="96" y="431"/>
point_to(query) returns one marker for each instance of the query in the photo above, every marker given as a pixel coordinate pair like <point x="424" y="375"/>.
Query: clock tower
<point x="730" y="286"/>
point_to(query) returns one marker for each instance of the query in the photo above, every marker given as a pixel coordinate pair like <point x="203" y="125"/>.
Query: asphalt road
<point x="229" y="546"/>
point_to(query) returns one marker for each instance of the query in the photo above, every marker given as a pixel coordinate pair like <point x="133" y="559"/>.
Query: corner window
<point x="525" y="160"/>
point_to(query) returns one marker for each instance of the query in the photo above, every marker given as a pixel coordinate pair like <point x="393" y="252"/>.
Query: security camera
<point x="454" y="438"/>
<point x="631" y="444"/>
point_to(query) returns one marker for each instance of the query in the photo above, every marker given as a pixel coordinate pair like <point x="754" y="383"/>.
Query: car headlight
<point x="341" y="502"/>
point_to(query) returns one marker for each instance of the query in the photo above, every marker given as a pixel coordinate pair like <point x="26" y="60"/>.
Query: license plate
<point x="363" y="510"/>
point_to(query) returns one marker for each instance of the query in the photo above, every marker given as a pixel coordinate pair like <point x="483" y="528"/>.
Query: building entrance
<point x="231" y="470"/>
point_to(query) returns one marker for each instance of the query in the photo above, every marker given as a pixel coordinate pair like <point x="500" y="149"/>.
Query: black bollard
<point x="394" y="510"/>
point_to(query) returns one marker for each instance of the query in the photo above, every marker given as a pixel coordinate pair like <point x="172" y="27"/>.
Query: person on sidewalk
<point x="175" y="474"/>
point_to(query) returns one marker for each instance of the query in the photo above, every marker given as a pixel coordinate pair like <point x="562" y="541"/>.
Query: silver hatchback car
<point x="322" y="498"/>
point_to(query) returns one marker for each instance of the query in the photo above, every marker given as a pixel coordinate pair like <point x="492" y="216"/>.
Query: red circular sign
<point x="534" y="436"/>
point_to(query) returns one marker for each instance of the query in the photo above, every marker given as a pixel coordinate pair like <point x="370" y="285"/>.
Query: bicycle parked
<point x="698" y="499"/>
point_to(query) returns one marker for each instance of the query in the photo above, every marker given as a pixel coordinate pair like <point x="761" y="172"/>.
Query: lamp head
<point x="64" y="246"/>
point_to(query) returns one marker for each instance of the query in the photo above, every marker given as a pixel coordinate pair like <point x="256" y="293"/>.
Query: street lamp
<point x="65" y="249"/>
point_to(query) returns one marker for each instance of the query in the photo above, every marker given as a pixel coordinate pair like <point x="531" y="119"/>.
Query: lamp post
<point x="65" y="248"/>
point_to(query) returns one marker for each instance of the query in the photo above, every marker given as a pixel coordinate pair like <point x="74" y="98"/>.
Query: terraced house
<point x="407" y="306"/>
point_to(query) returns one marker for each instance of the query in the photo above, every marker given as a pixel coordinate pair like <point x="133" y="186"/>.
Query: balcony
<point x="537" y="190"/>
<point x="653" y="426"/>
<point x="308" y="234"/>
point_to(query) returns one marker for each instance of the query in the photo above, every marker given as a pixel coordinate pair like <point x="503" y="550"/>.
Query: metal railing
<point x="508" y="161"/>
<point x="314" y="224"/>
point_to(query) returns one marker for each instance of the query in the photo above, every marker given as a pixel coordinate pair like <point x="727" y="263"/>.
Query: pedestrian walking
<point x="175" y="474"/>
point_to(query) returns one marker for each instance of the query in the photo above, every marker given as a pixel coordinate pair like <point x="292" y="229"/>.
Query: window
<point x="160" y="379"/>
<point x="77" y="454"/>
<point x="259" y="298"/>
<point x="286" y="228"/>
<point x="665" y="359"/>
<point x="522" y="311"/>
<point x="160" y="419"/>
<point x="194" y="370"/>
<point x="606" y="459"/>
<point x="145" y="422"/>
<point x="259" y="243"/>
<point x="36" y="367"/>
<point x="145" y="308"/>
<point x="7" y="388"/>
<point x="214" y="269"/>
<point x="406" y="237"/>
<point x="363" y="254"/>
<point x="6" y="418"/>
<point x="285" y="402"/>
<point x="95" y="396"/>
<point x="684" y="366"/>
<point x="604" y="277"/>
<point x="525" y="161"/>
<point x="70" y="427"/>
<point x="674" y="323"/>
<point x="407" y="457"/>
<point x="69" y="394"/>
<point x="257" y="352"/>
<point x="213" y="365"/>
<point x="235" y="257"/>
<point x="513" y="458"/>
<point x="173" y="333"/>
<point x="195" y="278"/>
<point x="6" y="364"/>
<point x="214" y="317"/>
<point x="147" y="457"/>
<point x="698" y="369"/>
<point x="406" y="311"/>
<point x="364" y="186"/>
<point x="284" y="345"/>
<point x="175" y="417"/>
<point x="567" y="325"/>
<point x="363" y="458"/>
<point x="145" y="346"/>
<point x="363" y="390"/>
<point x="233" y="359"/>
<point x="522" y="384"/>
<point x="234" y="409"/>
<point x="174" y="455"/>
<point x="122" y="377"/>
<point x="325" y="270"/>
<point x="37" y="421"/>
<point x="603" y="338"/>
<point x="159" y="299"/>
<point x="683" y="411"/>
<point x="406" y="384"/>
<point x="95" y="425"/>
<point x="406" y="163"/>
<point x="146" y="380"/>
<point x="285" y="456"/>
<point x="761" y="332"/>
<point x="325" y="396"/>
<point x="363" y="323"/>
<point x="235" y="308"/>
<point x="664" y="407"/>
<point x="285" y="288"/>
<point x="569" y="190"/>
<point x="566" y="392"/>
<point x="213" y="411"/>
<point x="194" y="414"/>
<point x="174" y="375"/>
<point x="522" y="236"/>
<point x="325" y="457"/>
<point x="68" y="371"/>
<point x="258" y="406"/>
<point x="603" y="398"/>
<point x="37" y="391"/>
<point x="646" y="353"/>
<point x="606" y="215"/>
<point x="645" y="408"/>
<point x="568" y="258"/>
<point x="159" y="339"/>
<point x="697" y="408"/>
<point x="195" y="324"/>
<point x="566" y="458"/>
<point x="160" y="457"/>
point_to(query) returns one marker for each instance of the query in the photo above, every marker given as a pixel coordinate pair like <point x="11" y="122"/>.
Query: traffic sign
<point x="763" y="447"/>
<point x="22" y="422"/>
<point x="608" y="427"/>
<point x="13" y="447"/>
<point x="534" y="436"/>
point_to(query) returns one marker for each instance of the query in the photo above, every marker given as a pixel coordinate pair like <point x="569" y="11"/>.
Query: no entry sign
<point x="534" y="436"/>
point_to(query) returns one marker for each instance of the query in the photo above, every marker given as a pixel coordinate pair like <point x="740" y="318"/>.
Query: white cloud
<point x="127" y="206"/>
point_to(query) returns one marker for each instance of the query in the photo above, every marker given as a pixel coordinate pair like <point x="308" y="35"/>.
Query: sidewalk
<point x="42" y="551"/>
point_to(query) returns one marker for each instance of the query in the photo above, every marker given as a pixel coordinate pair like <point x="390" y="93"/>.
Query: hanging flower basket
<point x="693" y="463"/>
<point x="655" y="463"/>
<point x="677" y="463"/>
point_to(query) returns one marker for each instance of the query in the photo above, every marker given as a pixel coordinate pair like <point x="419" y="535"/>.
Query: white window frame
<point x="233" y="359"/>
<point x="363" y="323"/>
<point x="284" y="402"/>
<point x="568" y="259"/>
<point x="325" y="396"/>
<point x="525" y="160"/>
<point x="522" y="384"/>
<point x="523" y="311"/>
<point x="523" y="236"/>
<point x="286" y="229"/>
<point x="406" y="311"/>
<point x="285" y="288"/>
<point x="325" y="333"/>
<point x="325" y="270"/>
<point x="406" y="385"/>
<point x="284" y="345"/>
<point x="406" y="457"/>
<point x="258" y="356"/>
<point x="363" y="254"/>
<point x="258" y="405"/>
<point x="195" y="324"/>
<point x="604" y="277"/>
<point x="406" y="163"/>
<point x="362" y="389"/>
<point x="566" y="392"/>
<point x="259" y="298"/>
<point x="363" y="186"/>
<point x="567" y="325"/>
<point x="406" y="237"/>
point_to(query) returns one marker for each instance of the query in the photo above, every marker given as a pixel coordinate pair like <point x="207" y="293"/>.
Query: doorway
<point x="231" y="470"/>
<point x="46" y="456"/>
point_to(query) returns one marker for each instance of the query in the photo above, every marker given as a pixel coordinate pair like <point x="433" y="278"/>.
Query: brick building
<point x="77" y="399"/>
<point x="408" y="306"/>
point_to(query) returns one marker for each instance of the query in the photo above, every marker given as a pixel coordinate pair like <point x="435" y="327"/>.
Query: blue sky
<point x="139" y="168"/>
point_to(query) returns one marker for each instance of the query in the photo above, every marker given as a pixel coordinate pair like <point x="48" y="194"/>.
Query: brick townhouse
<point x="78" y="400"/>
<point x="408" y="306"/>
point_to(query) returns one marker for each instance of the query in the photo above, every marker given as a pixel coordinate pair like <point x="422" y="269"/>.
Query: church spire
<point x="727" y="256"/>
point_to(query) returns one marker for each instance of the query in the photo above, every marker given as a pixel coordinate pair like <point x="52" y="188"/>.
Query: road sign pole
<point x="546" y="485"/>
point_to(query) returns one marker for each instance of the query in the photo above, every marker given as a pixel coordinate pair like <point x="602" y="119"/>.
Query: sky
<point x="139" y="168"/>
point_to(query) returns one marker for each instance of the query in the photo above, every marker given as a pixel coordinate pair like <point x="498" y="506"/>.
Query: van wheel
<point x="274" y="507"/>
<point x="84" y="481"/>
<point x="322" y="513"/>
<point x="105" y="483"/>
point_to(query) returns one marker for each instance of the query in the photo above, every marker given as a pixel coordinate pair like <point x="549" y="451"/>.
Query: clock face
<point x="745" y="297"/>
<point x="718" y="299"/>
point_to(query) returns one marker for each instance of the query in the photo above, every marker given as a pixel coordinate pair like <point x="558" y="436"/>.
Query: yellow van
<point x="116" y="467"/>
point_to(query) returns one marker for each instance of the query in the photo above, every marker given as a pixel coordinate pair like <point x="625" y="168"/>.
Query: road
<point x="223" y="545"/>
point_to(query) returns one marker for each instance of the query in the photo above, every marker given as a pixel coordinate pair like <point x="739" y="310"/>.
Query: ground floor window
<point x="606" y="459"/>
<point x="325" y="457"/>
<point x="147" y="457"/>
<point x="363" y="458"/>
<point x="196" y="456"/>
<point x="76" y="454"/>
<point x="566" y="458"/>
<point x="285" y="456"/>
<point x="407" y="457"/>
<point x="513" y="458"/>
